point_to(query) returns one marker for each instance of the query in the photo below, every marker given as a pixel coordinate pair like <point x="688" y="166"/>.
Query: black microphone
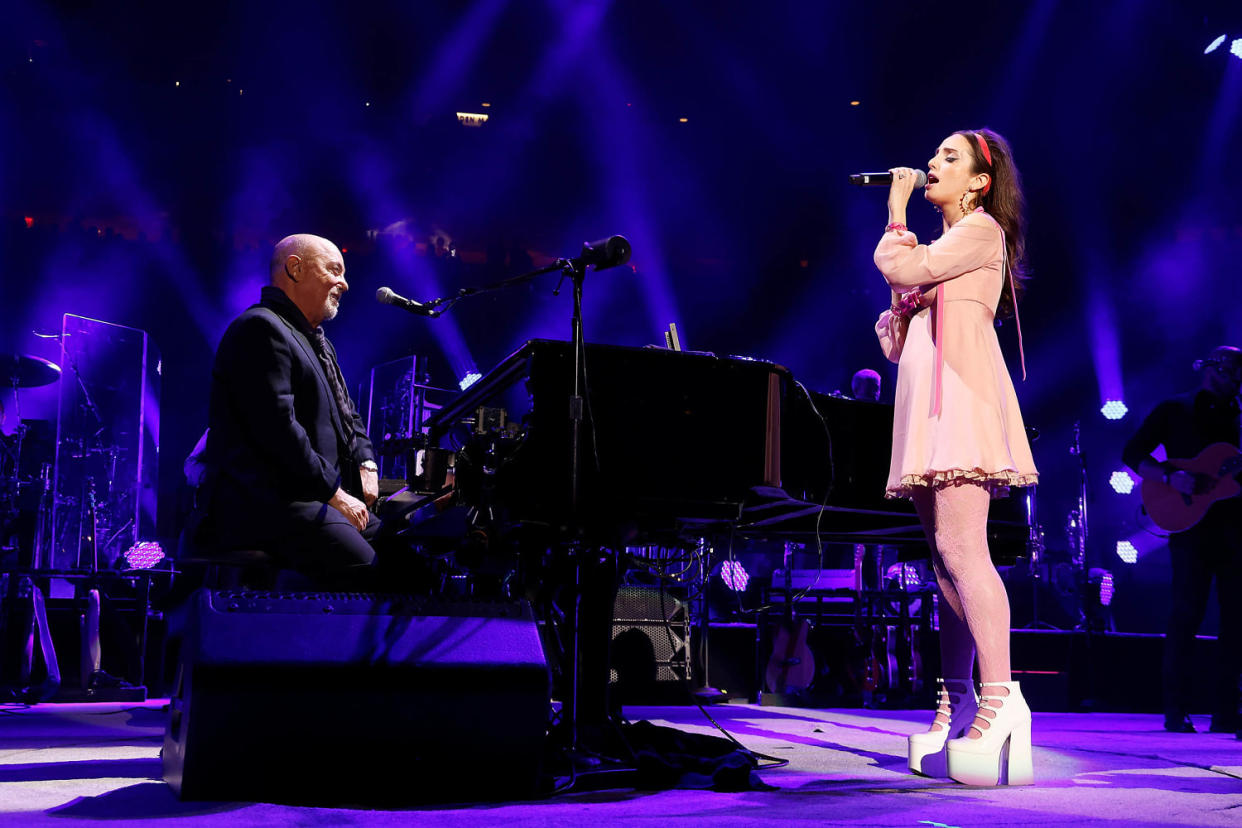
<point x="883" y="179"/>
<point x="605" y="253"/>
<point x="387" y="297"/>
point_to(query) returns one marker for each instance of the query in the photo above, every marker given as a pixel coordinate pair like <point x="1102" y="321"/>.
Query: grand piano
<point x="678" y="444"/>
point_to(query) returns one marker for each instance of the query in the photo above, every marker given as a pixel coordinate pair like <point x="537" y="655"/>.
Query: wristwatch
<point x="369" y="465"/>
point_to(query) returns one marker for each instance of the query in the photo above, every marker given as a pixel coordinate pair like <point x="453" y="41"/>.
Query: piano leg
<point x="597" y="581"/>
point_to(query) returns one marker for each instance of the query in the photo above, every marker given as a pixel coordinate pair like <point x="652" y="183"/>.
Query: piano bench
<point x="234" y="569"/>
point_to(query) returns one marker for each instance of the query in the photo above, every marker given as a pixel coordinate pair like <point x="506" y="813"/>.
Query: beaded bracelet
<point x="900" y="228"/>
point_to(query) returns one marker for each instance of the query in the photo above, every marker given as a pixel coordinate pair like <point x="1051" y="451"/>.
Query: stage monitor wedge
<point x="352" y="699"/>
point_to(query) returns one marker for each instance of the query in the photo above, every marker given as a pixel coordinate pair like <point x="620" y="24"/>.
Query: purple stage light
<point x="734" y="575"/>
<point x="450" y="65"/>
<point x="1114" y="410"/>
<point x="469" y="380"/>
<point x="1106" y="588"/>
<point x="1235" y="48"/>
<point x="1105" y="332"/>
<point x="1127" y="551"/>
<point x="1214" y="45"/>
<point x="1102" y="586"/>
<point x="1122" y="482"/>
<point x="144" y="555"/>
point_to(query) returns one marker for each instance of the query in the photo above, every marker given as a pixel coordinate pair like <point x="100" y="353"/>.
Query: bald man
<point x="1185" y="425"/>
<point x="865" y="385"/>
<point x="289" y="468"/>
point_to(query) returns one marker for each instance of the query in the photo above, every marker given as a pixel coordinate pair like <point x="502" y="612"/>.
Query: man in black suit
<point x="289" y="468"/>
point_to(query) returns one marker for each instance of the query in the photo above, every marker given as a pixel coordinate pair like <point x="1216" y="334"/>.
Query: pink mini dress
<point x="956" y="417"/>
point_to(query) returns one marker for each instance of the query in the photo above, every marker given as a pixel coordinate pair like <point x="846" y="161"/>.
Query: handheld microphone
<point x="883" y="179"/>
<point x="386" y="296"/>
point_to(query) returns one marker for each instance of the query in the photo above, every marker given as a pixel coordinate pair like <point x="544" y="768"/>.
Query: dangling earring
<point x="962" y="204"/>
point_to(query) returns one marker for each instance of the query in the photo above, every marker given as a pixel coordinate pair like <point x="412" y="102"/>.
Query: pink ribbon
<point x="937" y="398"/>
<point x="939" y="378"/>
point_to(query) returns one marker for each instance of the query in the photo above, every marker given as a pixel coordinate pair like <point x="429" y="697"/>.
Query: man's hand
<point x="351" y="507"/>
<point x="1181" y="481"/>
<point x="370" y="484"/>
<point x="1191" y="483"/>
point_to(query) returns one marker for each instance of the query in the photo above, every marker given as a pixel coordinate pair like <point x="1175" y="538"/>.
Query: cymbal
<point x="27" y="371"/>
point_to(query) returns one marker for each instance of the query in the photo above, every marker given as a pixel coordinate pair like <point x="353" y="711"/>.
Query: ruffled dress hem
<point x="997" y="483"/>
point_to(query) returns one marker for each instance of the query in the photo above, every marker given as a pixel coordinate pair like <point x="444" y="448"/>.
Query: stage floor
<point x="60" y="763"/>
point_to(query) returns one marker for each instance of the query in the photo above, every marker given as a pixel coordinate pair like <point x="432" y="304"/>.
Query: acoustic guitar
<point x="791" y="668"/>
<point x="1174" y="511"/>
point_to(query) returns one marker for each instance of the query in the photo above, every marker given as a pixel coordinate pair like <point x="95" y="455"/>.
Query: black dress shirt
<point x="1184" y="425"/>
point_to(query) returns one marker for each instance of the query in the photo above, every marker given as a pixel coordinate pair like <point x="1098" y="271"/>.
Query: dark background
<point x="150" y="155"/>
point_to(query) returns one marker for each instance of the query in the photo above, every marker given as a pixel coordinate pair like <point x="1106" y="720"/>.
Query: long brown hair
<point x="1005" y="203"/>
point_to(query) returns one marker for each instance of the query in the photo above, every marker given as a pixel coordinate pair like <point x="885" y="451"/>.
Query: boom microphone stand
<point x="601" y="254"/>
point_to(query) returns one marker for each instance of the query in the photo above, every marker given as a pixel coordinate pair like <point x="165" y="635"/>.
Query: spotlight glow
<point x="1122" y="482"/>
<point x="1235" y="48"/>
<point x="1113" y="409"/>
<point x="1214" y="45"/>
<point x="1127" y="551"/>
<point x="469" y="380"/>
<point x="734" y="575"/>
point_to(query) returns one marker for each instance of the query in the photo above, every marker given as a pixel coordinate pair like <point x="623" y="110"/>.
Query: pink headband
<point x="987" y="155"/>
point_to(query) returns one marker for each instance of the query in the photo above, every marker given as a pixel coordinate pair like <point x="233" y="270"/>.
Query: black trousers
<point x="310" y="538"/>
<point x="1210" y="550"/>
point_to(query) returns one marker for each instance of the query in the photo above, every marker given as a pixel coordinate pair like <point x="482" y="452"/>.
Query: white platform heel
<point x="1002" y="754"/>
<point x="958" y="703"/>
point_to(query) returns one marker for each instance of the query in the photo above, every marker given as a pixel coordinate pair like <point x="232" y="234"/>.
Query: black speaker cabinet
<point x="344" y="698"/>
<point x="650" y="646"/>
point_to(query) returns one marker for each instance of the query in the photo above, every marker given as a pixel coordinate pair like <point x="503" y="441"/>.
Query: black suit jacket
<point x="278" y="447"/>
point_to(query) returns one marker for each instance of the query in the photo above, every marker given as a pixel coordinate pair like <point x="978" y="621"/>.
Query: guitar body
<point x="791" y="669"/>
<point x="915" y="673"/>
<point x="892" y="670"/>
<point x="1173" y="511"/>
<point x="873" y="673"/>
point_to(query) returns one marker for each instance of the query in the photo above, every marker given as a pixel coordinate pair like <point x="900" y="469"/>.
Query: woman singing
<point x="958" y="437"/>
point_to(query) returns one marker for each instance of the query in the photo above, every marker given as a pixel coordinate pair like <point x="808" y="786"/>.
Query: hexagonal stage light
<point x="1113" y="409"/>
<point x="734" y="575"/>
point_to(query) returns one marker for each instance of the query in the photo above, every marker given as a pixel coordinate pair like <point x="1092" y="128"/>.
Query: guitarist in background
<point x="1185" y="425"/>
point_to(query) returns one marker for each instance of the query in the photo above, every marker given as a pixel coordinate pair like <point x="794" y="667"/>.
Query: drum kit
<point x="54" y="545"/>
<point x="24" y="619"/>
<point x="18" y="371"/>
